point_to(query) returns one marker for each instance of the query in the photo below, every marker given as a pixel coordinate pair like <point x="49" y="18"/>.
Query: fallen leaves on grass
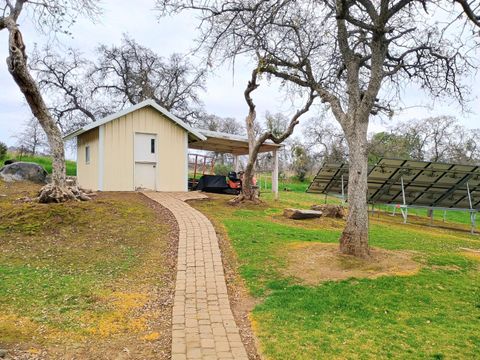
<point x="152" y="336"/>
<point x="123" y="316"/>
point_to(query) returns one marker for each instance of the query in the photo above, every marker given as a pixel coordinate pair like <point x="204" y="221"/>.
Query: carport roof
<point x="228" y="143"/>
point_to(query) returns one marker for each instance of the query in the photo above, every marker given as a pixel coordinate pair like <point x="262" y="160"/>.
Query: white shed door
<point x="145" y="155"/>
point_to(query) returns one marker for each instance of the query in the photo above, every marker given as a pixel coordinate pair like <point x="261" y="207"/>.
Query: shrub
<point x="3" y="150"/>
<point x="223" y="169"/>
<point x="301" y="162"/>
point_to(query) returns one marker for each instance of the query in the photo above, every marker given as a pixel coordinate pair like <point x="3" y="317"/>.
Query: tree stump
<point x="300" y="214"/>
<point x="329" y="210"/>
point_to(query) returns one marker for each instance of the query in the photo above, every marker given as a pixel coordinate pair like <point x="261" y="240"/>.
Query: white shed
<point x="142" y="147"/>
<point x="146" y="147"/>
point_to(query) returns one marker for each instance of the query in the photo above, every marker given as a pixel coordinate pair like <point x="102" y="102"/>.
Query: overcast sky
<point x="224" y="95"/>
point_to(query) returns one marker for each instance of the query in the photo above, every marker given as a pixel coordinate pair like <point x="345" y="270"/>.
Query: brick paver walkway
<point x="203" y="326"/>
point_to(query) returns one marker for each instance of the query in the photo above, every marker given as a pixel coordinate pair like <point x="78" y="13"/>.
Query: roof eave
<point x="133" y="108"/>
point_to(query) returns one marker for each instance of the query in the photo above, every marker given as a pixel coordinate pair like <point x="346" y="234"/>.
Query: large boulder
<point x="330" y="210"/>
<point x="21" y="171"/>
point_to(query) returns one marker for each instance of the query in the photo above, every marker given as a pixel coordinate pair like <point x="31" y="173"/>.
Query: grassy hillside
<point x="44" y="161"/>
<point x="73" y="285"/>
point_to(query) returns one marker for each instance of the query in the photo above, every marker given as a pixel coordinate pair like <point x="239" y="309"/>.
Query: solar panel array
<point x="329" y="179"/>
<point x="429" y="184"/>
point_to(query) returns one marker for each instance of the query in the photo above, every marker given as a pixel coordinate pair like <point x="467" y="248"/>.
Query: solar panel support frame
<point x="404" y="208"/>
<point x="343" y="191"/>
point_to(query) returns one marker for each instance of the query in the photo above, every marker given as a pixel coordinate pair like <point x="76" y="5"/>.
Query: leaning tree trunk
<point x="354" y="239"/>
<point x="249" y="191"/>
<point x="57" y="191"/>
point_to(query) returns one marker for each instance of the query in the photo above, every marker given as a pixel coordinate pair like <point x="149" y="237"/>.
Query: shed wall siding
<point x="119" y="151"/>
<point x="87" y="174"/>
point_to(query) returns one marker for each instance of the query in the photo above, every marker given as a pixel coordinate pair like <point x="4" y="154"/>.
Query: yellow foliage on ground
<point x="124" y="315"/>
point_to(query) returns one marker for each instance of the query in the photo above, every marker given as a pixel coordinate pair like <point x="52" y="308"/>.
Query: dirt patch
<point x="471" y="253"/>
<point x="324" y="223"/>
<point x="318" y="262"/>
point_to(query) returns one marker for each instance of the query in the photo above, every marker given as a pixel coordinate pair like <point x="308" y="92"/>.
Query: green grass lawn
<point x="46" y="162"/>
<point x="432" y="314"/>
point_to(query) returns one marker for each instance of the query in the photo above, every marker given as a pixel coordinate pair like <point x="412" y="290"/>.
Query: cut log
<point x="329" y="210"/>
<point x="300" y="214"/>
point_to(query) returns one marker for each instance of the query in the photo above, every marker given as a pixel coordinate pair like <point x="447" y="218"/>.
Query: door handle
<point x="154" y="166"/>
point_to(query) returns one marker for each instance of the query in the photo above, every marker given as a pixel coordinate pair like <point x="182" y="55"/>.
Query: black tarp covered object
<point x="215" y="184"/>
<point x="212" y="183"/>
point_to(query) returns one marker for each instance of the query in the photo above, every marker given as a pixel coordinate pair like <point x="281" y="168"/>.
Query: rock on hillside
<point x="21" y="171"/>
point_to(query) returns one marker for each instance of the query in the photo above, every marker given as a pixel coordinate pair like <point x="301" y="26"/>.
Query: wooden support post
<point x="195" y="168"/>
<point x="236" y="164"/>
<point x="275" y="175"/>
<point x="212" y="167"/>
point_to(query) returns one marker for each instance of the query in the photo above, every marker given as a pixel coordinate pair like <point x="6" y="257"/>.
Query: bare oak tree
<point x="32" y="138"/>
<point x="50" y="15"/>
<point x="64" y="79"/>
<point x="326" y="140"/>
<point x="356" y="55"/>
<point x="439" y="138"/>
<point x="81" y="90"/>
<point x="227" y="125"/>
<point x="130" y="73"/>
<point x="471" y="8"/>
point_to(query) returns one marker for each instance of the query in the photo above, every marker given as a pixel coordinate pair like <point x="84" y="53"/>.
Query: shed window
<point x="87" y="154"/>
<point x="152" y="146"/>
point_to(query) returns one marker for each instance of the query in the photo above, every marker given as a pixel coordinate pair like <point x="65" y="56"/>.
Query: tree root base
<point x="241" y="198"/>
<point x="355" y="245"/>
<point x="51" y="193"/>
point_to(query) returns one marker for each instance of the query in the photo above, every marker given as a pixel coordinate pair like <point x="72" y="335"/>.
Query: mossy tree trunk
<point x="57" y="191"/>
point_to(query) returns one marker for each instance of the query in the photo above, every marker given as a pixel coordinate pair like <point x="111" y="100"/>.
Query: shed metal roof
<point x="195" y="133"/>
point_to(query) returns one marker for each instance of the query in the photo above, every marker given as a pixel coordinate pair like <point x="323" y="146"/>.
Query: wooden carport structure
<point x="236" y="145"/>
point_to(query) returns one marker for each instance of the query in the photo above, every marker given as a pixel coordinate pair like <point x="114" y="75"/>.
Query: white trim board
<point x="101" y="156"/>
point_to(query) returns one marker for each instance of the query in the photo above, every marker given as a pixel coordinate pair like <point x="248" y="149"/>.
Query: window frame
<point x="87" y="154"/>
<point x="152" y="146"/>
